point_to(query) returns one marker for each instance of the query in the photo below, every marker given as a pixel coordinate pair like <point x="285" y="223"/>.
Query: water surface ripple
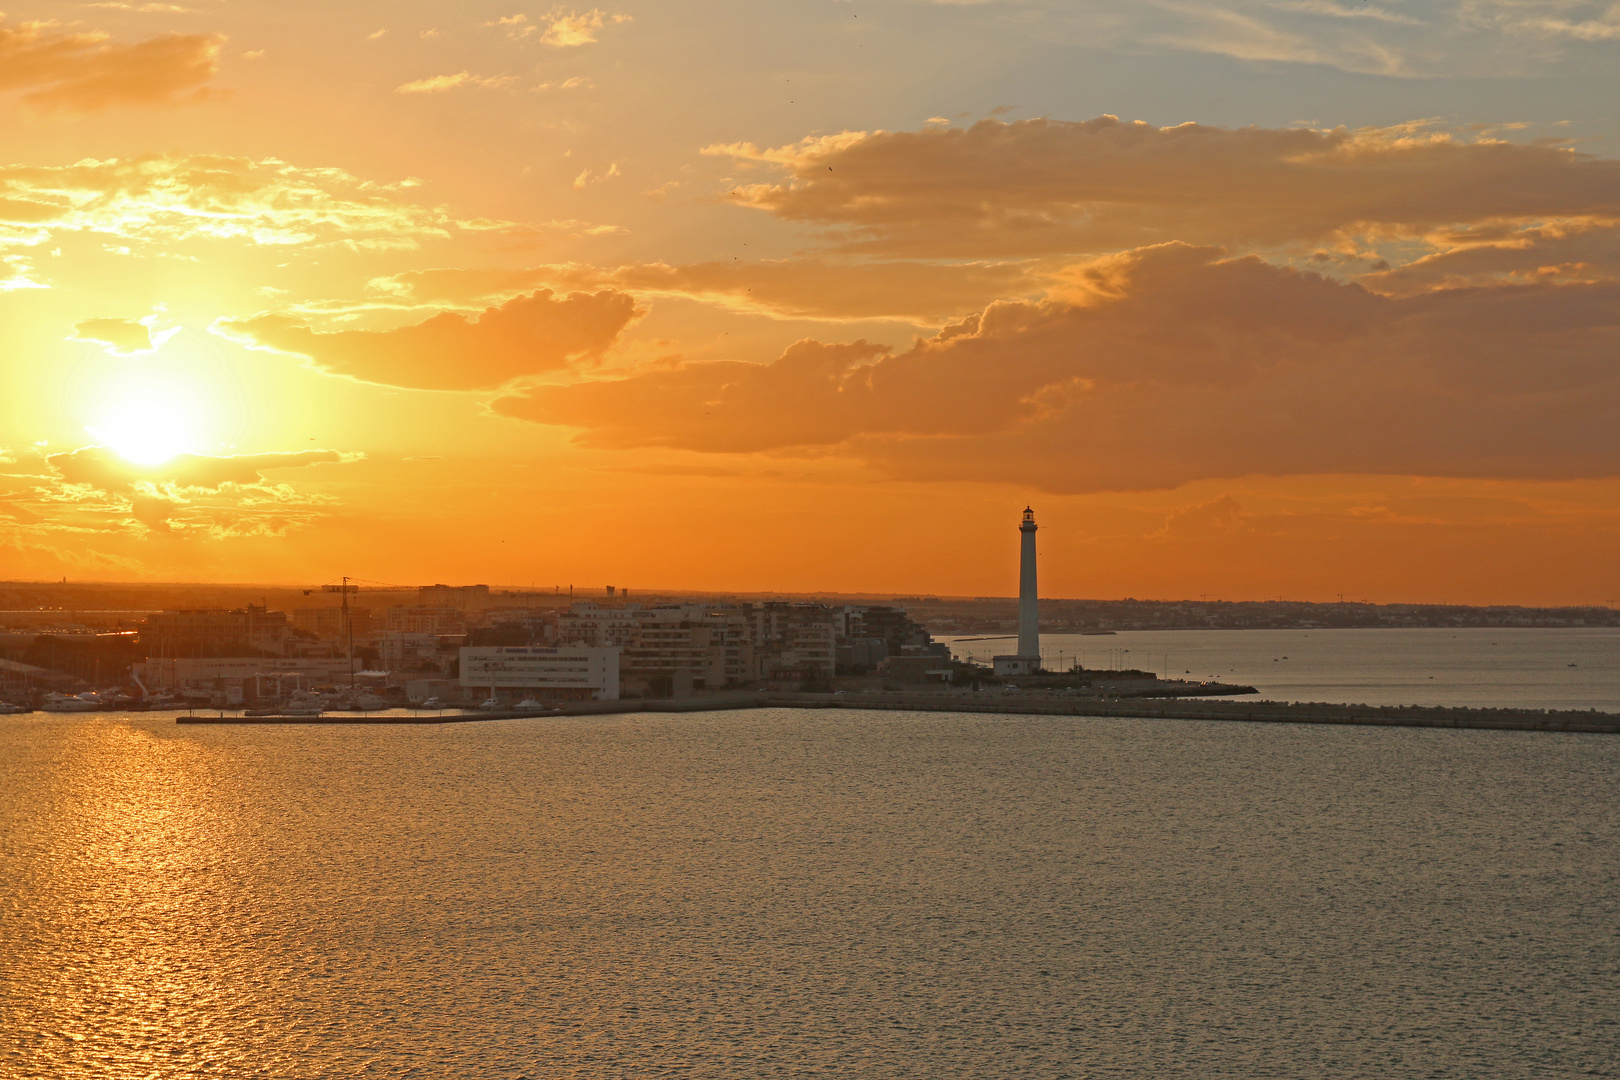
<point x="802" y="893"/>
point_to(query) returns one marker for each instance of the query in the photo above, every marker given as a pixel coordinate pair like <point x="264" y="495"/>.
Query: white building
<point x="567" y="672"/>
<point x="1027" y="661"/>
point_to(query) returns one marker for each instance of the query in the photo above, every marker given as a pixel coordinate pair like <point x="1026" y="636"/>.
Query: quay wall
<point x="1026" y="705"/>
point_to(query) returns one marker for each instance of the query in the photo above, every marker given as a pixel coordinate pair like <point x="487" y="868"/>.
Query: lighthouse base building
<point x="1016" y="665"/>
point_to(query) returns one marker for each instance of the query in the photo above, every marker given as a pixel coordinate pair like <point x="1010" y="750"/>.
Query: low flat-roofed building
<point x="197" y="675"/>
<point x="1016" y="665"/>
<point x="563" y="673"/>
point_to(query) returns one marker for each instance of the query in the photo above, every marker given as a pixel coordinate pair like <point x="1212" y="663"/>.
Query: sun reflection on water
<point x="128" y="980"/>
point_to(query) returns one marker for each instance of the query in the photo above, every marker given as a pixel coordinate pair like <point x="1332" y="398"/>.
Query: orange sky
<point x="1270" y="297"/>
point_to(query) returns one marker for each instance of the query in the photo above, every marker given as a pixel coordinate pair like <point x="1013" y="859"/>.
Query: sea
<point x="1503" y="667"/>
<point x="784" y="893"/>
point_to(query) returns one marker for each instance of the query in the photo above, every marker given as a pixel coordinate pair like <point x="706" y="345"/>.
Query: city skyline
<point x="1250" y="300"/>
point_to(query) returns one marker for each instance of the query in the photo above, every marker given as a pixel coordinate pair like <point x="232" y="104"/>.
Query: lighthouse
<point x="1027" y="661"/>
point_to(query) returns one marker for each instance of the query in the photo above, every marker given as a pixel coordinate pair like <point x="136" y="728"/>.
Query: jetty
<point x="1007" y="704"/>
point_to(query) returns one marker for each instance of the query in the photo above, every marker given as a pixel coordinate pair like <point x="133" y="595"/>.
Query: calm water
<point x="771" y="894"/>
<point x="1528" y="668"/>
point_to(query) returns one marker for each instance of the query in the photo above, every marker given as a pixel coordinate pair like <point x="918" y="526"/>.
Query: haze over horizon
<point x="1248" y="299"/>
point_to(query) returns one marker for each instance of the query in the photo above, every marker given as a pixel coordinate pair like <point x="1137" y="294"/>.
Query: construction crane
<point x="347" y="586"/>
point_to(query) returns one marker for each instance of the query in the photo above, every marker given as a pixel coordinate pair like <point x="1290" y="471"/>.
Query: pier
<point x="1265" y="712"/>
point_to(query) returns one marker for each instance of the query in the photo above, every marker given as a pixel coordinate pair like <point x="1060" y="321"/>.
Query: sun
<point x="148" y="425"/>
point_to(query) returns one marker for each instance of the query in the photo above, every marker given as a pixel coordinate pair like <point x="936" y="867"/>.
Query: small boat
<point x="530" y="704"/>
<point x="8" y="709"/>
<point x="366" y="701"/>
<point x="300" y="703"/>
<point x="65" y="703"/>
<point x="432" y="703"/>
<point x="490" y="703"/>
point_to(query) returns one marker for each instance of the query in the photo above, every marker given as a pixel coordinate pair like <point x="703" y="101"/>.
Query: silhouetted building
<point x="326" y="623"/>
<point x="197" y="632"/>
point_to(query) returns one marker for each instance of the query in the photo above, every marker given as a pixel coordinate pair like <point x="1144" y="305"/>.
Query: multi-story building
<point x="460" y="597"/>
<point x="670" y="650"/>
<point x="564" y="673"/>
<point x="197" y="632"/>
<point x="537" y="625"/>
<point x="424" y="620"/>
<point x="401" y="651"/>
<point x="793" y="642"/>
<point x="327" y="624"/>
<point x="892" y="625"/>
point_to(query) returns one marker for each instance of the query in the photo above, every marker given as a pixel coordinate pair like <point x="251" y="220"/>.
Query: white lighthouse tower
<point x="1028" y="659"/>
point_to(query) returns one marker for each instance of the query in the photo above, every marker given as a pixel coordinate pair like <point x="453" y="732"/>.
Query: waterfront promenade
<point x="1021" y="704"/>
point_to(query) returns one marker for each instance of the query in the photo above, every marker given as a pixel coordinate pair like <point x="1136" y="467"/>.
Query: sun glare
<point x="148" y="425"/>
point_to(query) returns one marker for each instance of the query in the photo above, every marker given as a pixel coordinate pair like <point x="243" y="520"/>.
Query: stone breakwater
<point x="1279" y="712"/>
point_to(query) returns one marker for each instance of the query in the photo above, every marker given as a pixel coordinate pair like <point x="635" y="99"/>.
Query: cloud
<point x="1565" y="252"/>
<point x="561" y="29"/>
<point x="19" y="271"/>
<point x="438" y="84"/>
<point x="169" y="198"/>
<point x="122" y="337"/>
<point x="726" y="406"/>
<point x="62" y="70"/>
<point x="921" y="292"/>
<point x="1571" y="20"/>
<point x="191" y="493"/>
<point x="1219" y="516"/>
<point x="527" y="335"/>
<point x="588" y="177"/>
<point x="1031" y="187"/>
<point x="1188" y="366"/>
<point x="100" y="468"/>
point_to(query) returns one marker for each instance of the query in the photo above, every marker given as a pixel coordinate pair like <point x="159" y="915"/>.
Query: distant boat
<point x="530" y="703"/>
<point x="366" y="701"/>
<point x="432" y="703"/>
<point x="8" y="709"/>
<point x="490" y="703"/>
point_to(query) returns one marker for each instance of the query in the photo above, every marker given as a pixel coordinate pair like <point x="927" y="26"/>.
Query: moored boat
<point x="68" y="703"/>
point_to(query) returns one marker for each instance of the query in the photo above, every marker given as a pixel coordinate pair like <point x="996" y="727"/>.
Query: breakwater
<point x="1276" y="712"/>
